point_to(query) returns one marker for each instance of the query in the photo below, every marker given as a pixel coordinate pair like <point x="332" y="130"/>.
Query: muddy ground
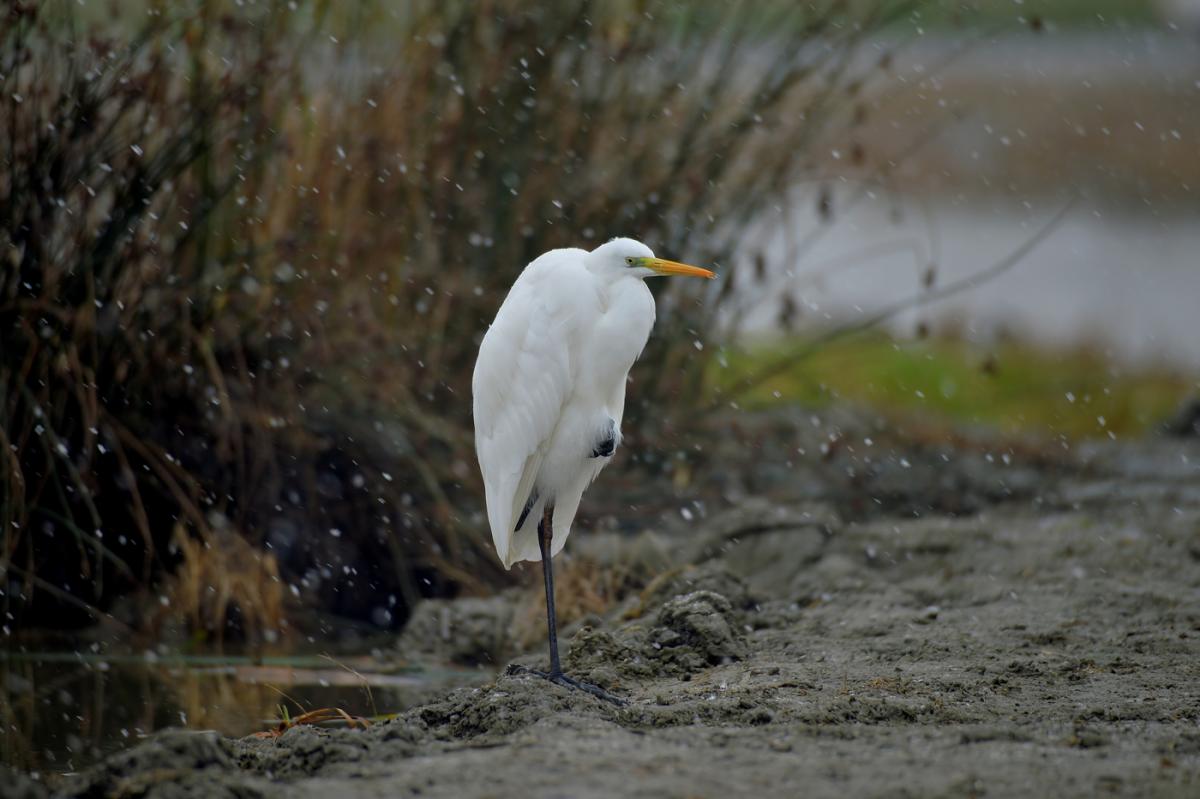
<point x="956" y="618"/>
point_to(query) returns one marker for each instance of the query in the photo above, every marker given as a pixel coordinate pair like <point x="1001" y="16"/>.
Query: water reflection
<point x="64" y="711"/>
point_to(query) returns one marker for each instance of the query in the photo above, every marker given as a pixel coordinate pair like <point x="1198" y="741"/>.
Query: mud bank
<point x="1043" y="641"/>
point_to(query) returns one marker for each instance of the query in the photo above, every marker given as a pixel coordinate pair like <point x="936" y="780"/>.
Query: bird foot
<point x="558" y="678"/>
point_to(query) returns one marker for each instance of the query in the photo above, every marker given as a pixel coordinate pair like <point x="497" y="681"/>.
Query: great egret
<point x="549" y="393"/>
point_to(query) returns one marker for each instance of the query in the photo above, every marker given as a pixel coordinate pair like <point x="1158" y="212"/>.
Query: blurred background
<point x="248" y="250"/>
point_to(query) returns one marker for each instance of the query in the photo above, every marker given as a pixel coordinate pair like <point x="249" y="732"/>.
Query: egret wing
<point x="522" y="379"/>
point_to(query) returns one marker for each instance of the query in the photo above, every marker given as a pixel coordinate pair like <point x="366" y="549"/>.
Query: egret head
<point x="629" y="257"/>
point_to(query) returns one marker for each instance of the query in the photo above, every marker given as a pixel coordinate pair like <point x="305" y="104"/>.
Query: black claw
<point x="570" y="682"/>
<point x="594" y="690"/>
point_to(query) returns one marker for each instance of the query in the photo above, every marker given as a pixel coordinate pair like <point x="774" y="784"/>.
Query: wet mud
<point x="1044" y="640"/>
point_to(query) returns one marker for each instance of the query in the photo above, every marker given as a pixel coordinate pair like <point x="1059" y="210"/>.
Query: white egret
<point x="549" y="394"/>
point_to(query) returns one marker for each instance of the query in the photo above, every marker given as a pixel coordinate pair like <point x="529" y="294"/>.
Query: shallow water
<point x="62" y="711"/>
<point x="1125" y="281"/>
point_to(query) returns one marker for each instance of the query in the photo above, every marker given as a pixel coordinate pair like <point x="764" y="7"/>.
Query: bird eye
<point x="629" y="261"/>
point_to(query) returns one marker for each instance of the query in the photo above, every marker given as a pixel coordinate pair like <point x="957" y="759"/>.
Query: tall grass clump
<point x="128" y="340"/>
<point x="250" y="250"/>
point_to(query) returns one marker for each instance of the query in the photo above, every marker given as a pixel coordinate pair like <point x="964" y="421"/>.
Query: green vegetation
<point x="1023" y="13"/>
<point x="1012" y="386"/>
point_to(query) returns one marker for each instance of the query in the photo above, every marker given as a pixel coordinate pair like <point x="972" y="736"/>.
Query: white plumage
<point x="549" y="384"/>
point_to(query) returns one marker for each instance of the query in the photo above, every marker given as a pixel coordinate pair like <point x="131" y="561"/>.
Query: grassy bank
<point x="1013" y="386"/>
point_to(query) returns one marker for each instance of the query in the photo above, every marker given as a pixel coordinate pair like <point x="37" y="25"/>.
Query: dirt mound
<point x="470" y="631"/>
<point x="689" y="634"/>
<point x="172" y="765"/>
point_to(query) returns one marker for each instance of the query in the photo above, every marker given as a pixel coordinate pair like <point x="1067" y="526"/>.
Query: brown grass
<point x="583" y="587"/>
<point x="221" y="578"/>
<point x="314" y="717"/>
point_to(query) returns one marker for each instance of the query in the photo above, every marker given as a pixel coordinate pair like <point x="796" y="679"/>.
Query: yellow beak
<point x="664" y="267"/>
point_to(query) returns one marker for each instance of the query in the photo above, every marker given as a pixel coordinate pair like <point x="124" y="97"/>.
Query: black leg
<point x="555" y="675"/>
<point x="545" y="536"/>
